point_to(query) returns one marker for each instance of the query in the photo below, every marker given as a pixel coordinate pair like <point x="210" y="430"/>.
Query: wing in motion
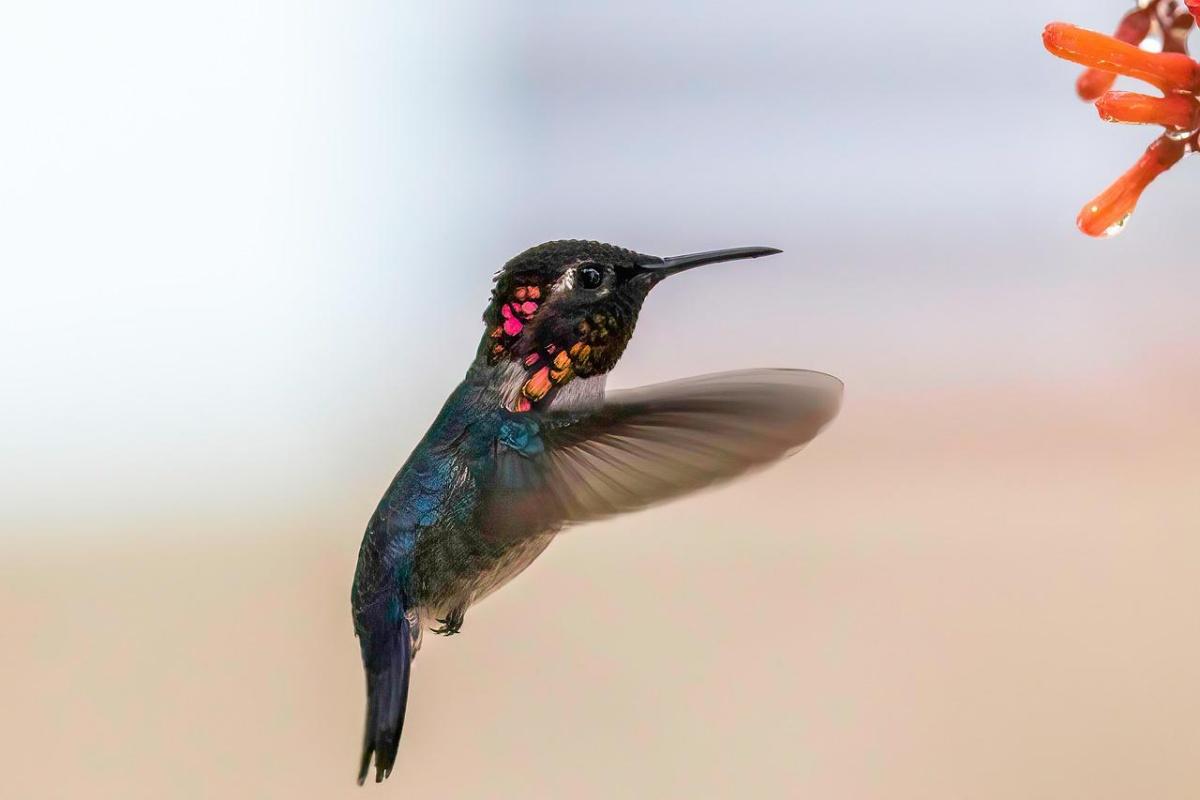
<point x="650" y="444"/>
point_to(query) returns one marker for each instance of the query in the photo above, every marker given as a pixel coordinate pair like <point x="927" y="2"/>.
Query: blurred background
<point x="245" y="249"/>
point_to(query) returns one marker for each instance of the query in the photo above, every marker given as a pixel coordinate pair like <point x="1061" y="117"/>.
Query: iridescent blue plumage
<point x="529" y="443"/>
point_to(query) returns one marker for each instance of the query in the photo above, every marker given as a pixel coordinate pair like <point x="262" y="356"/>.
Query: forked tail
<point x="387" y="659"/>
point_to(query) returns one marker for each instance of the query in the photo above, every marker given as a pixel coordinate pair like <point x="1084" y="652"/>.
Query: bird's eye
<point x="590" y="277"/>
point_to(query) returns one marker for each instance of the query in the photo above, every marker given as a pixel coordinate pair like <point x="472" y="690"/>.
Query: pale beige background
<point x="247" y="254"/>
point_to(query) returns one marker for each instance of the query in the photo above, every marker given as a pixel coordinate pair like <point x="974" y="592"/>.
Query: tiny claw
<point x="1170" y="72"/>
<point x="1106" y="215"/>
<point x="451" y="625"/>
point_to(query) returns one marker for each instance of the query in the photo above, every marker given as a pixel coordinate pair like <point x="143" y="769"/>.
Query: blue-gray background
<point x="244" y="252"/>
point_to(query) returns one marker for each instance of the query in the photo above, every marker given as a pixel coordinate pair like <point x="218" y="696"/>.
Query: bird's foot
<point x="452" y="623"/>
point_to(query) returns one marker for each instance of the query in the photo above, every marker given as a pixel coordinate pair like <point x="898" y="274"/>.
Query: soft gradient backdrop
<point x="244" y="250"/>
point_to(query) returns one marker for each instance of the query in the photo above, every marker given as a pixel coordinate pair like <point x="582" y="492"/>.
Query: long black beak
<point x="662" y="267"/>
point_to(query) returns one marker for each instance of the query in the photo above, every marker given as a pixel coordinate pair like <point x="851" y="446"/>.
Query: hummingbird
<point x="529" y="443"/>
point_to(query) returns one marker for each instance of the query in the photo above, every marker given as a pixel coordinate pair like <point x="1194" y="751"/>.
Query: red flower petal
<point x="1092" y="83"/>
<point x="1179" y="112"/>
<point x="1133" y="28"/>
<point x="1106" y="215"/>
<point x="1170" y="72"/>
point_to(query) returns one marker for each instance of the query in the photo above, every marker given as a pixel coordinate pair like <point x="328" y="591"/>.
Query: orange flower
<point x="1177" y="76"/>
<point x="1133" y="29"/>
<point x="1178" y="112"/>
<point x="1107" y="214"/>
<point x="1170" y="72"/>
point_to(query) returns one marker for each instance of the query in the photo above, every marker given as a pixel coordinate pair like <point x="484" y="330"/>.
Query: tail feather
<point x="387" y="659"/>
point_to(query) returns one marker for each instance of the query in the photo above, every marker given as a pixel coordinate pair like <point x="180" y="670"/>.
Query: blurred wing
<point x="655" y="443"/>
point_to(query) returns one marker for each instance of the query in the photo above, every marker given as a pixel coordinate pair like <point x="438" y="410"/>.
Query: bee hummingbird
<point x="530" y="443"/>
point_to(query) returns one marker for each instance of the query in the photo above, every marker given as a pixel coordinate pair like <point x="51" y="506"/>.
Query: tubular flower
<point x="1150" y="44"/>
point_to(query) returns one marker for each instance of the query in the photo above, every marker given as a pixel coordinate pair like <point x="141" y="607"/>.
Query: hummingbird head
<point x="567" y="309"/>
